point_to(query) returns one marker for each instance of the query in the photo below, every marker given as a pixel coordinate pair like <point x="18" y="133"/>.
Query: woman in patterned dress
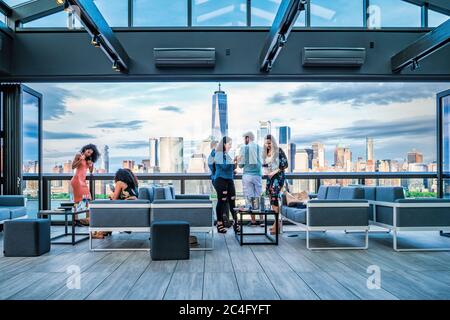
<point x="275" y="163"/>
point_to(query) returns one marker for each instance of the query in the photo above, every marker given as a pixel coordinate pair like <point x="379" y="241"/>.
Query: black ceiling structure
<point x="283" y="23"/>
<point x="423" y="47"/>
<point x="241" y="53"/>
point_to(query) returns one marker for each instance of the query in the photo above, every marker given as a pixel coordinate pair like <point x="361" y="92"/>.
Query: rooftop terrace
<point x="231" y="272"/>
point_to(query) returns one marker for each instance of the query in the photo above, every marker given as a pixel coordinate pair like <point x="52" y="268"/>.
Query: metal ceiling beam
<point x="5" y="8"/>
<point x="34" y="10"/>
<point x="279" y="32"/>
<point x="101" y="33"/>
<point x="442" y="6"/>
<point x="422" y="47"/>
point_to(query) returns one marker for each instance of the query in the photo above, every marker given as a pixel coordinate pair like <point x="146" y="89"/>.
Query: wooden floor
<point x="287" y="271"/>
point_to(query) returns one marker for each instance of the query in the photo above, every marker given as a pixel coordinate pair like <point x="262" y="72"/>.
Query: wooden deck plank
<point x="220" y="286"/>
<point x="150" y="286"/>
<point x="42" y="288"/>
<point x="326" y="287"/>
<point x="255" y="286"/>
<point x="290" y="286"/>
<point x="185" y="286"/>
<point x="89" y="281"/>
<point x="117" y="285"/>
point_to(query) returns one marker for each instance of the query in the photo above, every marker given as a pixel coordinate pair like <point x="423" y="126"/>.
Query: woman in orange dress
<point x="83" y="162"/>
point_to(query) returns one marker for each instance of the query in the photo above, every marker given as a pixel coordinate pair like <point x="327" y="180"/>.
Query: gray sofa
<point x="154" y="204"/>
<point x="334" y="208"/>
<point x="387" y="208"/>
<point x="390" y="209"/>
<point x="12" y="207"/>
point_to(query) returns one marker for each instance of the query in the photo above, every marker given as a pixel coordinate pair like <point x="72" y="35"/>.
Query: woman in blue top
<point x="224" y="184"/>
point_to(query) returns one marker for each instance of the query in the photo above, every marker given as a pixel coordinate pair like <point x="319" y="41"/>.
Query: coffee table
<point x="66" y="212"/>
<point x="272" y="240"/>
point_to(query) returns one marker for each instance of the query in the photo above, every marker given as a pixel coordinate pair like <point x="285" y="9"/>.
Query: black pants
<point x="226" y="193"/>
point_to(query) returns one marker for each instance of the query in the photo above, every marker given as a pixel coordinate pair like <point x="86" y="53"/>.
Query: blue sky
<point x="398" y="116"/>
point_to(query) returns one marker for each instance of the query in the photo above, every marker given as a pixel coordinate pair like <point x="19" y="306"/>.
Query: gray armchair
<point x="197" y="210"/>
<point x="121" y="215"/>
<point x="391" y="210"/>
<point x="12" y="207"/>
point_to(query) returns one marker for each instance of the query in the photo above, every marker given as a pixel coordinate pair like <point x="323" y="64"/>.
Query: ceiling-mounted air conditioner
<point x="333" y="57"/>
<point x="185" y="57"/>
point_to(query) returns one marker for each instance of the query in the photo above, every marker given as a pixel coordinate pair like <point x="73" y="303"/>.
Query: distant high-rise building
<point x="342" y="157"/>
<point x="128" y="164"/>
<point x="369" y="149"/>
<point x="310" y="153"/>
<point x="284" y="135"/>
<point x="146" y="165"/>
<point x="171" y="155"/>
<point x="301" y="161"/>
<point x="319" y="154"/>
<point x="265" y="128"/>
<point x="415" y="157"/>
<point x="292" y="151"/>
<point x="105" y="157"/>
<point x="57" y="169"/>
<point x="154" y="154"/>
<point x="219" y="125"/>
<point x="284" y="142"/>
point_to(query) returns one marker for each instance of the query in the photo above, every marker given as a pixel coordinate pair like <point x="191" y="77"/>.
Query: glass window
<point x="263" y="13"/>
<point x="2" y="18"/>
<point x="30" y="116"/>
<point x="160" y="13"/>
<point x="115" y="12"/>
<point x="435" y="18"/>
<point x="57" y="20"/>
<point x="13" y="3"/>
<point x="394" y="13"/>
<point x="219" y="13"/>
<point x="337" y="13"/>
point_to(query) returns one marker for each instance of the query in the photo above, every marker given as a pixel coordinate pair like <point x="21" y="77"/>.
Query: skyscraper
<point x="292" y="151"/>
<point x="154" y="154"/>
<point x="284" y="142"/>
<point x="342" y="157"/>
<point x="105" y="158"/>
<point x="319" y="154"/>
<point x="171" y="155"/>
<point x="301" y="161"/>
<point x="219" y="125"/>
<point x="284" y="135"/>
<point x="265" y="128"/>
<point x="369" y="149"/>
<point x="128" y="164"/>
<point x="415" y="156"/>
<point x="310" y="153"/>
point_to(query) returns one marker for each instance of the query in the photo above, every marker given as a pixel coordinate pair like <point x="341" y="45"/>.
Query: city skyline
<point x="357" y="112"/>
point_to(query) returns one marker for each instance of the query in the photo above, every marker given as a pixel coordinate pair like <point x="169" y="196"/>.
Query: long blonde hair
<point x="274" y="150"/>
<point x="221" y="145"/>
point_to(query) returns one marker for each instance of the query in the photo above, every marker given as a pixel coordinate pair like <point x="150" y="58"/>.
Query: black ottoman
<point x="26" y="237"/>
<point x="170" y="240"/>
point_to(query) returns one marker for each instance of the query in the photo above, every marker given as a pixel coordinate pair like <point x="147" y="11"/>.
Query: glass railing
<point x="56" y="187"/>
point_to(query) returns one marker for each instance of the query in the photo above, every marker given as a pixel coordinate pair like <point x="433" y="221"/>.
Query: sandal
<point x="221" y="228"/>
<point x="272" y="230"/>
<point x="236" y="228"/>
<point x="98" y="235"/>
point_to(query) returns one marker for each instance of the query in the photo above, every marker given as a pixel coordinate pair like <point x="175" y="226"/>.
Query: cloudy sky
<point x="398" y="116"/>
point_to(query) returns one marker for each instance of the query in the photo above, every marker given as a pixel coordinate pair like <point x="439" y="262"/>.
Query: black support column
<point x="12" y="124"/>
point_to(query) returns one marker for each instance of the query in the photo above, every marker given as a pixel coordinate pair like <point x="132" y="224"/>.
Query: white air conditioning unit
<point x="185" y="57"/>
<point x="333" y="57"/>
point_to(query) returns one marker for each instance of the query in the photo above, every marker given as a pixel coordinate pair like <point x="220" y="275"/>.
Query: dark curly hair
<point x="95" y="153"/>
<point x="125" y="176"/>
